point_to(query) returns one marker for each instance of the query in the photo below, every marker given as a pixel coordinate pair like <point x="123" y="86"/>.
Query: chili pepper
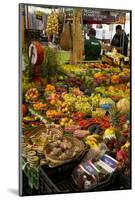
<point x="83" y="122"/>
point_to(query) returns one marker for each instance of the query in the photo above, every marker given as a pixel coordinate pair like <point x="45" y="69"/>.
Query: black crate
<point x="59" y="180"/>
<point x="121" y="182"/>
<point x="53" y="178"/>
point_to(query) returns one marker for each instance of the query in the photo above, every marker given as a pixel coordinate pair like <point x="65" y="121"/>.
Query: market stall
<point x="75" y="114"/>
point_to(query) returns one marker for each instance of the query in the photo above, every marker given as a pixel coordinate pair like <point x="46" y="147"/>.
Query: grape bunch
<point x="83" y="107"/>
<point x="80" y="103"/>
<point x="69" y="98"/>
<point x="95" y="99"/>
<point x="83" y="104"/>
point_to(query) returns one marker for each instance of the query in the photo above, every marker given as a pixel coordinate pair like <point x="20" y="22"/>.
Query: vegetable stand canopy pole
<point x="123" y="36"/>
<point x="77" y="50"/>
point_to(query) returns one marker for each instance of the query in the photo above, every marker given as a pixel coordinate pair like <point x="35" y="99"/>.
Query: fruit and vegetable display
<point x="115" y="58"/>
<point x="87" y="108"/>
<point x="75" y="113"/>
<point x="96" y="74"/>
<point x="72" y="69"/>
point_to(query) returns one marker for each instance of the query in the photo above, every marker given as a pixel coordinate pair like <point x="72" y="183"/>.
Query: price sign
<point x="93" y="16"/>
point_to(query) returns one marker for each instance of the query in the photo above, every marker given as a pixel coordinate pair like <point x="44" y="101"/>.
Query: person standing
<point x="92" y="46"/>
<point x="120" y="41"/>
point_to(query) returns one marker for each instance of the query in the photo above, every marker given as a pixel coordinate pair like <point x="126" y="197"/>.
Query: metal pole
<point x="123" y="37"/>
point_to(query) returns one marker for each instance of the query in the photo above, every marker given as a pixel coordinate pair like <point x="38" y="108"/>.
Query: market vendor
<point x="120" y="41"/>
<point x="92" y="46"/>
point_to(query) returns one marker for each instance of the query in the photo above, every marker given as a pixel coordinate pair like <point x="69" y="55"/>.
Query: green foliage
<point x="50" y="64"/>
<point x="27" y="68"/>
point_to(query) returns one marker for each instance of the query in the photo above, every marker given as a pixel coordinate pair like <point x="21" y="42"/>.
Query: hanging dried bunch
<point x="66" y="37"/>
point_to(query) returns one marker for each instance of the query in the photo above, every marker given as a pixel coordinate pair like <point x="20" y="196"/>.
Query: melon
<point x="123" y="106"/>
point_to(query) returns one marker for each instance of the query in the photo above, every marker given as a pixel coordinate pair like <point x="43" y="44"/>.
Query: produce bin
<point x="59" y="180"/>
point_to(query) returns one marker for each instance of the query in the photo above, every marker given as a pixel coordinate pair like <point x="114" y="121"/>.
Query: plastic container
<point x="59" y="180"/>
<point x="86" y="176"/>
